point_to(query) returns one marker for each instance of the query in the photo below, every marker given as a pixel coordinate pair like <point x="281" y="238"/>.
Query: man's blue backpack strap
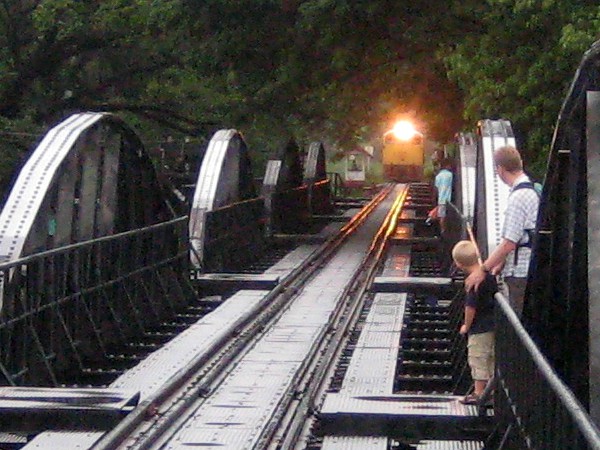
<point x="525" y="185"/>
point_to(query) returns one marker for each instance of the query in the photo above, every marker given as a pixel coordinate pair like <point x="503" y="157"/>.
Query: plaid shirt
<point x="520" y="215"/>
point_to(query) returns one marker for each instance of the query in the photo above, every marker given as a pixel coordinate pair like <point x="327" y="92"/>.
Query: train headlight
<point x="404" y="130"/>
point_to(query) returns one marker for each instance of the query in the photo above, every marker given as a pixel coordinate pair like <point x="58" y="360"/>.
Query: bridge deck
<point x="195" y="342"/>
<point x="365" y="403"/>
<point x="380" y="443"/>
<point x="234" y="415"/>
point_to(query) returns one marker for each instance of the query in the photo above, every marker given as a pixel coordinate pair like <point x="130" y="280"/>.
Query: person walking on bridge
<point x="443" y="185"/>
<point x="513" y="254"/>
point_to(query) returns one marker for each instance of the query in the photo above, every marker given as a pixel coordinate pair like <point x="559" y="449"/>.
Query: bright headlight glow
<point x="404" y="130"/>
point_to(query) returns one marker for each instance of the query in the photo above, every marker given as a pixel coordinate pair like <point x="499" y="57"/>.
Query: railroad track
<point x="191" y="396"/>
<point x="162" y="396"/>
<point x="262" y="370"/>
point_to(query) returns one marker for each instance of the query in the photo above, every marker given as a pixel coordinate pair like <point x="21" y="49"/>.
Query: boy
<point x="479" y="320"/>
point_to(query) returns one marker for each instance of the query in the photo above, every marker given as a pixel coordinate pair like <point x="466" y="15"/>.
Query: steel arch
<point x="88" y="177"/>
<point x="491" y="194"/>
<point x="225" y="177"/>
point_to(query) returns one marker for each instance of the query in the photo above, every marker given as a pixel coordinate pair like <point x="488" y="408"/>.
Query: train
<point x="403" y="153"/>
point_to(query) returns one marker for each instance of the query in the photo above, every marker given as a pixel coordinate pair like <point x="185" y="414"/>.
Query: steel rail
<point x="290" y="430"/>
<point x="203" y="372"/>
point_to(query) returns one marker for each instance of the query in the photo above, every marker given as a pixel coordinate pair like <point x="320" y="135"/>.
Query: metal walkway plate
<point x="64" y="440"/>
<point x="28" y="400"/>
<point x="419" y="416"/>
<point x="354" y="443"/>
<point x="450" y="445"/>
<point x="294" y="259"/>
<point x="397" y="405"/>
<point x="373" y="363"/>
<point x="29" y="409"/>
<point x="410" y="284"/>
<point x="381" y="443"/>
<point x="237" y="280"/>
<point x="198" y="341"/>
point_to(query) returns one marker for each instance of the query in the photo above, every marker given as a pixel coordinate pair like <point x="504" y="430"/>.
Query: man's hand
<point x="474" y="279"/>
<point x="433" y="214"/>
<point x="463" y="329"/>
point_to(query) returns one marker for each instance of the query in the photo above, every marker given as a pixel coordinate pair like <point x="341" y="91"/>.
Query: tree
<point x="336" y="70"/>
<point x="520" y="63"/>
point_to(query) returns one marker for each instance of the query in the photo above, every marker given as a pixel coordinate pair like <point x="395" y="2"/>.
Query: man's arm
<point x="493" y="261"/>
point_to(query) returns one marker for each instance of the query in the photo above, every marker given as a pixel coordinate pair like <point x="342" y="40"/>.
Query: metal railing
<point x="234" y="235"/>
<point x="66" y="307"/>
<point x="337" y="185"/>
<point x="533" y="406"/>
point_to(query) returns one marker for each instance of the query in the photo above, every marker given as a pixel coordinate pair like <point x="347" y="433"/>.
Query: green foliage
<point x="336" y="70"/>
<point x="18" y="137"/>
<point x="519" y="65"/>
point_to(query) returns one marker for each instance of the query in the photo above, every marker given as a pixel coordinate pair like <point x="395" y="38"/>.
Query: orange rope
<point x="469" y="232"/>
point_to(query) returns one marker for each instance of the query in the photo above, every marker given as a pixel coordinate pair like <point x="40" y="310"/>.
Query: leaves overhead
<point x="521" y="62"/>
<point x="337" y="70"/>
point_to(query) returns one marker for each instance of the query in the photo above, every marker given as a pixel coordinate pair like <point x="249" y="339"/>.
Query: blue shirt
<point x="443" y="183"/>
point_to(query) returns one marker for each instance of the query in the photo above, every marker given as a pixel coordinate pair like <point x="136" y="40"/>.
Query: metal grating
<point x="450" y="445"/>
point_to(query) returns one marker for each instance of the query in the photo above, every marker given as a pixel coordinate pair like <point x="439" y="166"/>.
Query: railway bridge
<point x="282" y="315"/>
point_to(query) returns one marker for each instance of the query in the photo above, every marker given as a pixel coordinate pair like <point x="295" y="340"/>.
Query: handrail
<point x="516" y="352"/>
<point x="55" y="300"/>
<point x="79" y="245"/>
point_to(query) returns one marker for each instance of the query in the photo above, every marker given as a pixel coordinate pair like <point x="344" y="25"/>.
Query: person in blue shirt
<point x="443" y="185"/>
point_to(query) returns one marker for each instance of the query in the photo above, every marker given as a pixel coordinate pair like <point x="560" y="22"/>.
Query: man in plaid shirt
<point x="513" y="254"/>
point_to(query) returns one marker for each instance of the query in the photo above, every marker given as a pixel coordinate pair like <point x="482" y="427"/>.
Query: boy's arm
<point x="469" y="316"/>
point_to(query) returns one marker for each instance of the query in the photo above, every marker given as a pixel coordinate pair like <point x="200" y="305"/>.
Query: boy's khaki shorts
<point x="481" y="355"/>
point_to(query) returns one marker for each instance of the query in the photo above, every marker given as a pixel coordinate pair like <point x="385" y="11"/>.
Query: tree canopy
<point x="336" y="70"/>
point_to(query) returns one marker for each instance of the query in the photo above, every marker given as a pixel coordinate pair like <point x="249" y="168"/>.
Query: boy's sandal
<point x="470" y="399"/>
